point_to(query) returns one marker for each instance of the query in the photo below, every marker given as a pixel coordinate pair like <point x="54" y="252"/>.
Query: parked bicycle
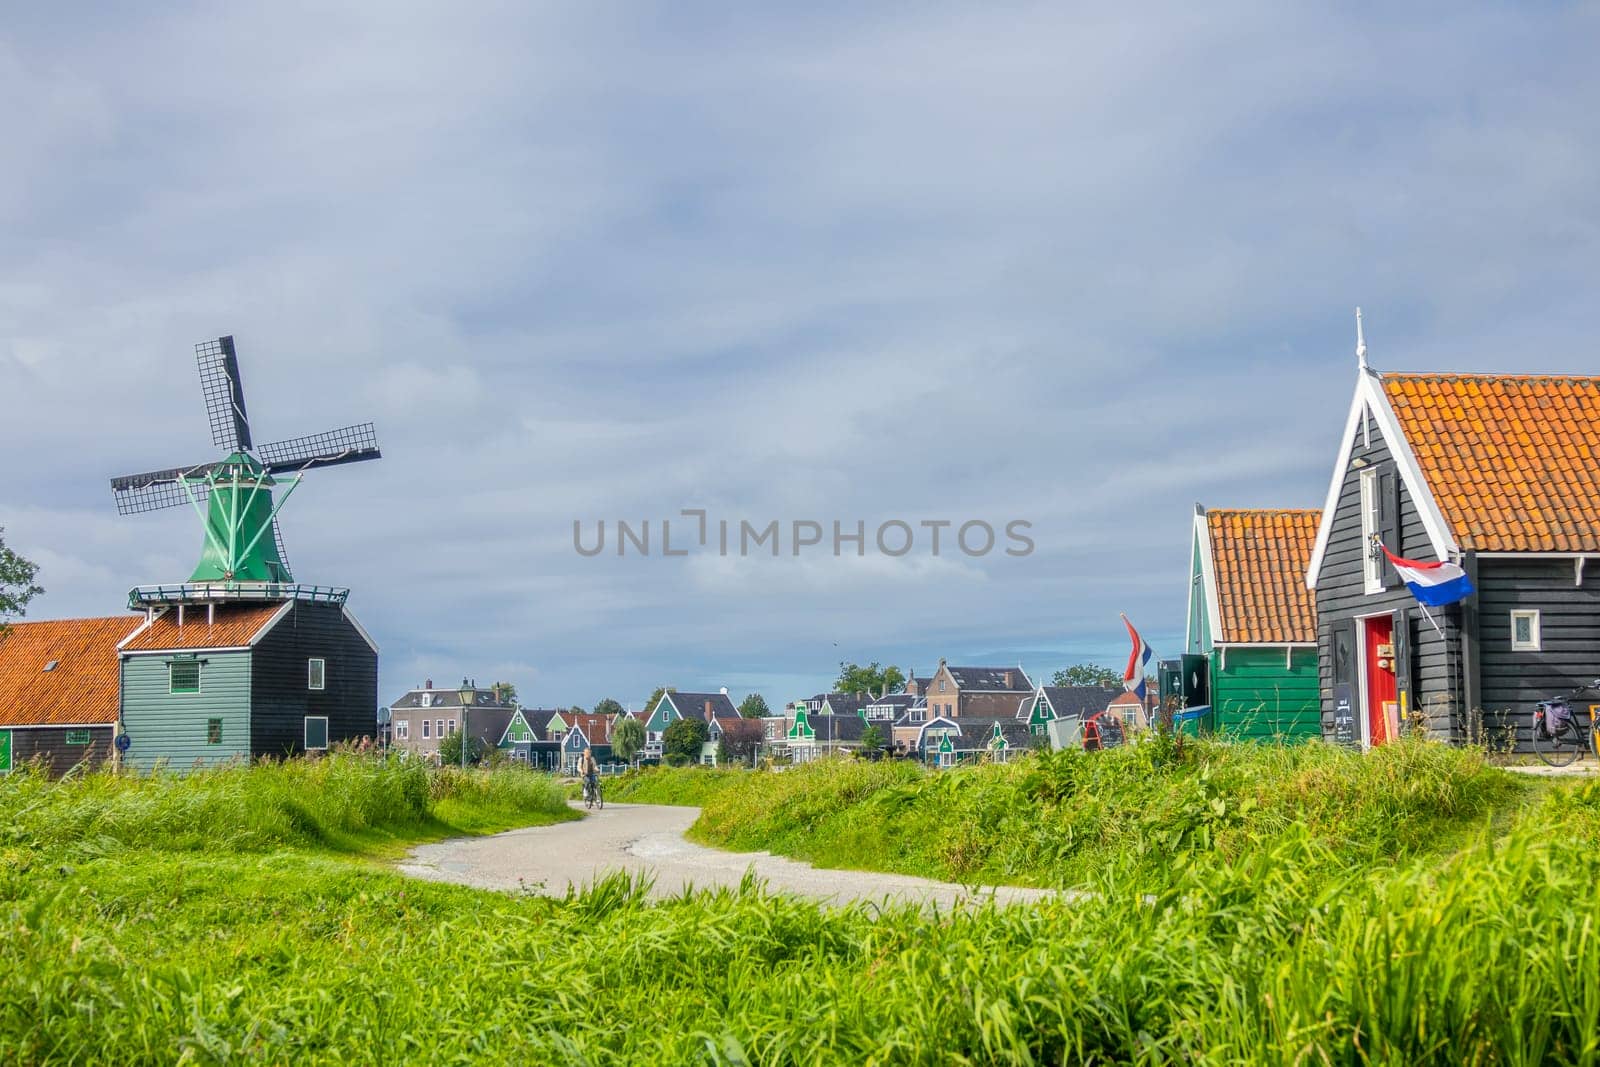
<point x="1562" y="732"/>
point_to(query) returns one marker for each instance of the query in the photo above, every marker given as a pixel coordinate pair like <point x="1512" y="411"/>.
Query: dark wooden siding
<point x="49" y="746"/>
<point x="1569" y="624"/>
<point x="280" y="699"/>
<point x="1341" y="596"/>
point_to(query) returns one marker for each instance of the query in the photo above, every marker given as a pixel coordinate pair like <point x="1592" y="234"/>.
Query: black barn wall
<point x="280" y="700"/>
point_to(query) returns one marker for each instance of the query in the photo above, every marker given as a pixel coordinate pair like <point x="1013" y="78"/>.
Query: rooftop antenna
<point x="1361" y="342"/>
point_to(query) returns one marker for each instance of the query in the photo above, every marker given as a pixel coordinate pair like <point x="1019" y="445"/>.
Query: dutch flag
<point x="1433" y="584"/>
<point x="1133" y="677"/>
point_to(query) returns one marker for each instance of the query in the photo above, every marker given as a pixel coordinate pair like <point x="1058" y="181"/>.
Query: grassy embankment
<point x="1073" y="818"/>
<point x="236" y="916"/>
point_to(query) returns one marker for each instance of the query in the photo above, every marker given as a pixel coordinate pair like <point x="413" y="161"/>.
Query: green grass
<point x="266" y="934"/>
<point x="1062" y="819"/>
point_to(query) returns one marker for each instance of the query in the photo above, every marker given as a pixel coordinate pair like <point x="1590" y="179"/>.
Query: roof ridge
<point x="1489" y="376"/>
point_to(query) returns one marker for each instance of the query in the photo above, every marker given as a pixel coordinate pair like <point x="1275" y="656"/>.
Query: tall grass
<point x="1491" y="957"/>
<point x="335" y="802"/>
<point x="1065" y="818"/>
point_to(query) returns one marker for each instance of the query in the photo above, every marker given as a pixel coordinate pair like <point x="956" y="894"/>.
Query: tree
<point x="627" y="738"/>
<point x="578" y="709"/>
<point x="450" y="750"/>
<point x="1087" y="674"/>
<point x="608" y="707"/>
<point x="873" y="679"/>
<point x="681" y="741"/>
<point x="650" y="705"/>
<point x="754" y="706"/>
<point x="740" y="740"/>
<point x="16" y="582"/>
<point x="871" y="740"/>
<point x="504" y="692"/>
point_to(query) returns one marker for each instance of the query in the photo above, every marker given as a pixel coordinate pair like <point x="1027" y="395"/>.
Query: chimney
<point x="1008" y="680"/>
<point x="428" y="684"/>
<point x="708" y="711"/>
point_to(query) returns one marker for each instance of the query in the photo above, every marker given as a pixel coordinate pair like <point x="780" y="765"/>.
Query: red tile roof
<point x="81" y="689"/>
<point x="1513" y="461"/>
<point x="1259" y="557"/>
<point x="232" y="626"/>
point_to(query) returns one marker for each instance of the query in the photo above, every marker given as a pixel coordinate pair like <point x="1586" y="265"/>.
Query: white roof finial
<point x="1361" y="342"/>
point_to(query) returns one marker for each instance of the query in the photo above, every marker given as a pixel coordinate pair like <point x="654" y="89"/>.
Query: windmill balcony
<point x="213" y="592"/>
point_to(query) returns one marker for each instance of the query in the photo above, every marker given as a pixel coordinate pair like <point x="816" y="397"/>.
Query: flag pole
<point x="1426" y="614"/>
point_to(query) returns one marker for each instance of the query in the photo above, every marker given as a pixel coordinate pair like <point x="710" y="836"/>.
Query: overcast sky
<point x="826" y="262"/>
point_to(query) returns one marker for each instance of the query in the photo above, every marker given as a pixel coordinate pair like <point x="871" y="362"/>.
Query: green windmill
<point x="239" y="496"/>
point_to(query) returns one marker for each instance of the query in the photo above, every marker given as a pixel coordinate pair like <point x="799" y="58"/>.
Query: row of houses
<point x="954" y="714"/>
<point x="1299" y="626"/>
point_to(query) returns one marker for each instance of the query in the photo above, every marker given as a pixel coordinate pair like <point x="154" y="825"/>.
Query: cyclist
<point x="589" y="771"/>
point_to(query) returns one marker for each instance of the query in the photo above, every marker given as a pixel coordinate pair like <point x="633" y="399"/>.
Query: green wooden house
<point x="203" y="685"/>
<point x="1252" y="617"/>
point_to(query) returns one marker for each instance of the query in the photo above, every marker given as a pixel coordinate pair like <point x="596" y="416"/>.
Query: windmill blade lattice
<point x="224" y="393"/>
<point x="154" y="490"/>
<point x="348" y="445"/>
<point x="277" y="539"/>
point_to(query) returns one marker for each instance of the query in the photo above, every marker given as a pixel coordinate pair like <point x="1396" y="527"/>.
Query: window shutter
<point x="1403" y="658"/>
<point x="1389" y="520"/>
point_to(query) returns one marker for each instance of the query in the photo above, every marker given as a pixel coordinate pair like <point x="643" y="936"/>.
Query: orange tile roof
<point x="232" y="626"/>
<point x="1260" y="557"/>
<point x="83" y="688"/>
<point x="1513" y="461"/>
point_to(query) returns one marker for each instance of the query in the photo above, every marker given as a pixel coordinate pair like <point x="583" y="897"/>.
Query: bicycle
<point x="592" y="795"/>
<point x="1561" y="733"/>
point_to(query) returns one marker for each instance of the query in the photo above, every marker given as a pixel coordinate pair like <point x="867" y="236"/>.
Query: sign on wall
<point x="1344" y="716"/>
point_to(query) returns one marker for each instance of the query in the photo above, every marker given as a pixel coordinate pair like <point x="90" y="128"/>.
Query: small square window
<point x="316" y="671"/>
<point x="213" y="731"/>
<point x="316" y="732"/>
<point x="1525" y="631"/>
<point x="183" y="676"/>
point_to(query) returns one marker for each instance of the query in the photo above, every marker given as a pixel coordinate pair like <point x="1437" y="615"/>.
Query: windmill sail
<point x="351" y="444"/>
<point x="224" y="393"/>
<point x="154" y="490"/>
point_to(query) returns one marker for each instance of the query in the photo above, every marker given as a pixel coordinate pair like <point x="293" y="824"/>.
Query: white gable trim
<point x="288" y="605"/>
<point x="362" y="630"/>
<point x="1370" y="399"/>
<point x="1208" y="579"/>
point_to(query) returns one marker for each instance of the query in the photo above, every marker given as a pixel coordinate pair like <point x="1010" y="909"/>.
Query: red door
<point x="1380" y="676"/>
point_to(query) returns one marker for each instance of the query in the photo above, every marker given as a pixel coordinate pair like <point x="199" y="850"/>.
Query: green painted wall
<point x="172" y="726"/>
<point x="1259" y="697"/>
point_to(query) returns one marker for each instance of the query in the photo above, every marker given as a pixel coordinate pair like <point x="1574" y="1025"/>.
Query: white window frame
<point x="438" y="728"/>
<point x="452" y="730"/>
<point x="326" y="736"/>
<point x="426" y="724"/>
<point x="316" y="674"/>
<point x="402" y="730"/>
<point x="1534" y="642"/>
<point x="1371" y="569"/>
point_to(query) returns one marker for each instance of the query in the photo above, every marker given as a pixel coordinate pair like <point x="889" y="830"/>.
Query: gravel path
<point x="649" y="838"/>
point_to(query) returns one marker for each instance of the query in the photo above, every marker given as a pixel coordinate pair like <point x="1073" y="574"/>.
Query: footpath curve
<point x="648" y="839"/>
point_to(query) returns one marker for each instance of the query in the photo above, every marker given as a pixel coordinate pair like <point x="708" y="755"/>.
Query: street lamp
<point x="466" y="693"/>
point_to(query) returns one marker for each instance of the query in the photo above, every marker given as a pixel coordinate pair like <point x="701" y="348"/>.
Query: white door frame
<point x="1361" y="673"/>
